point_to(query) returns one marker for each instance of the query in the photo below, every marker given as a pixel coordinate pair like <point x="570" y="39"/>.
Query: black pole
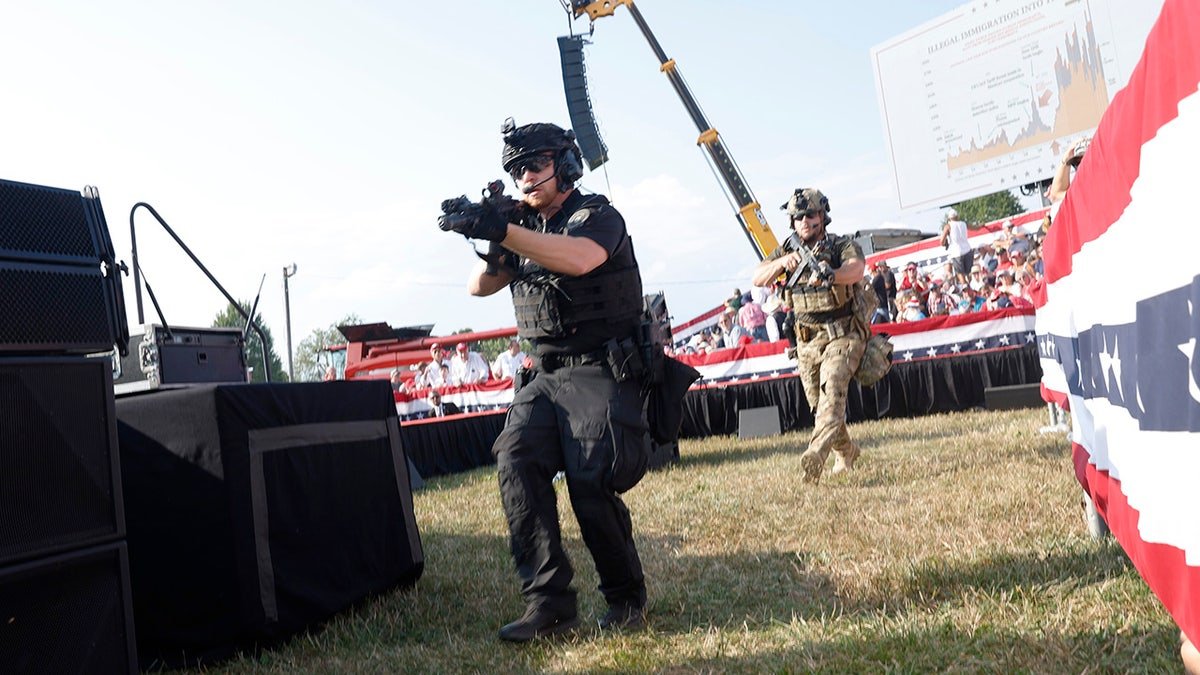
<point x="287" y="313"/>
<point x="199" y="264"/>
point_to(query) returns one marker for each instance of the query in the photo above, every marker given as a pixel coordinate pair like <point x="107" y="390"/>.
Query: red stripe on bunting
<point x="1164" y="567"/>
<point x="1167" y="72"/>
<point x="949" y="321"/>
<point x="700" y="319"/>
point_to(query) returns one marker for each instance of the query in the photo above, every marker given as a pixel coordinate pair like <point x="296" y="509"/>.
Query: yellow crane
<point x="749" y="212"/>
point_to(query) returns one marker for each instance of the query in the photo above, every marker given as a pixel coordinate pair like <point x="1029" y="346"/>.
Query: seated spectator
<point x="729" y="333"/>
<point x="467" y="367"/>
<point x="1020" y="243"/>
<point x="978" y="278"/>
<point x="1003" y="262"/>
<point x="438" y="408"/>
<point x="1003" y="240"/>
<point x="398" y="383"/>
<point x="998" y="300"/>
<point x="965" y="302"/>
<point x="914" y="282"/>
<point x="910" y="310"/>
<point x="936" y="303"/>
<point x="987" y="259"/>
<point x="418" y="380"/>
<point x="1006" y="283"/>
<point x="509" y="361"/>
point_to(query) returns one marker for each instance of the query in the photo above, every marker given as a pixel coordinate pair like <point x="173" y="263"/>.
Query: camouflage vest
<point x="818" y="304"/>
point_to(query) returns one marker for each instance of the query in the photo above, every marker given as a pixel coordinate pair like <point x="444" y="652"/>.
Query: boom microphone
<point x="527" y="190"/>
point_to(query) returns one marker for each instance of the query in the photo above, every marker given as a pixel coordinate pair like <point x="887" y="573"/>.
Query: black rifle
<point x="807" y="260"/>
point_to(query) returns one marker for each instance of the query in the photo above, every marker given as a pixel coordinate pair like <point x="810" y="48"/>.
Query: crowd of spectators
<point x="1001" y="275"/>
<point x="758" y="315"/>
<point x="442" y="370"/>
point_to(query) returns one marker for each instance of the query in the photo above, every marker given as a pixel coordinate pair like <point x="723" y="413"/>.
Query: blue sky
<point x="326" y="134"/>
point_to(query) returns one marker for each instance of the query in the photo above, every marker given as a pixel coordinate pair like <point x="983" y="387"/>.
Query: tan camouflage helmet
<point x="804" y="199"/>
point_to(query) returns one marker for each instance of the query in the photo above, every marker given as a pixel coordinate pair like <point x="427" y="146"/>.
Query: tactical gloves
<point x="822" y="276"/>
<point x="477" y="223"/>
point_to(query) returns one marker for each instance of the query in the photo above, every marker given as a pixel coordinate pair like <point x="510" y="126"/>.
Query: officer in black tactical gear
<point x="576" y="288"/>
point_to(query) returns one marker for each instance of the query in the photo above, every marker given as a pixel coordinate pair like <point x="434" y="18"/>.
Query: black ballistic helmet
<point x="531" y="139"/>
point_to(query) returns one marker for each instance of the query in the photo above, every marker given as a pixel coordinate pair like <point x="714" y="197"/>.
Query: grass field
<point x="957" y="545"/>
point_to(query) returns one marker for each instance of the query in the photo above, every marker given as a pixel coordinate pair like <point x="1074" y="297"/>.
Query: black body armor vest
<point x="550" y="305"/>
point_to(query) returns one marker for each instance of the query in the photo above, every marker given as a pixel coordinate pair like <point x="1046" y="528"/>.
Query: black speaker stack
<point x="579" y="103"/>
<point x="64" y="570"/>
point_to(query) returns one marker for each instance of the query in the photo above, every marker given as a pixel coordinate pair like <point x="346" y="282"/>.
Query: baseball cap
<point x="911" y="266"/>
<point x="951" y="213"/>
<point x="462" y="347"/>
<point x="436" y="345"/>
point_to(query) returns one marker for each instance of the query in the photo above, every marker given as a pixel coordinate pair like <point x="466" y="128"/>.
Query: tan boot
<point x="813" y="464"/>
<point x="845" y="460"/>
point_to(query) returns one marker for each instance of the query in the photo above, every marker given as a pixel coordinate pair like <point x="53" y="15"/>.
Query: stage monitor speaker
<point x="579" y="104"/>
<point x="69" y="613"/>
<point x="257" y="511"/>
<point x="1013" y="397"/>
<point x="182" y="356"/>
<point x="60" y="484"/>
<point x="757" y="422"/>
<point x="62" y="288"/>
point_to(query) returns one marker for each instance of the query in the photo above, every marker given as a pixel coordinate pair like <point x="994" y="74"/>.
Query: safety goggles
<point x="532" y="164"/>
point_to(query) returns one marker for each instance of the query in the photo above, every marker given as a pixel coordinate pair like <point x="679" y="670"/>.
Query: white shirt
<point x="471" y="370"/>
<point x="433" y="374"/>
<point x="506" y="364"/>
<point x="959" y="243"/>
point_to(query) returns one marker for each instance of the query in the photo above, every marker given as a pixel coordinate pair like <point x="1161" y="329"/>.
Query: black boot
<point x="539" y="621"/>
<point x="624" y="616"/>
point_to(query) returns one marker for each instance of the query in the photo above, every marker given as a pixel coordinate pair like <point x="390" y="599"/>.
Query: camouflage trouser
<point x="826" y="366"/>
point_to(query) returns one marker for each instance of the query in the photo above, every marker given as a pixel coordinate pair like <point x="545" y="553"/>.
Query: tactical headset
<point x="530" y="139"/>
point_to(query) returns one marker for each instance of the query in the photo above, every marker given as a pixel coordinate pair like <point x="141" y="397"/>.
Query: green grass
<point x="957" y="545"/>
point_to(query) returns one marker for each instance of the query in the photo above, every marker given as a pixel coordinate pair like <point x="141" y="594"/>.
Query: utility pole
<point x="288" y="272"/>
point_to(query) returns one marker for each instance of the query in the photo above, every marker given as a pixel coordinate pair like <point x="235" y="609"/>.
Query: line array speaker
<point x="60" y="485"/>
<point x="62" y="288"/>
<point x="68" y="614"/>
<point x="579" y="104"/>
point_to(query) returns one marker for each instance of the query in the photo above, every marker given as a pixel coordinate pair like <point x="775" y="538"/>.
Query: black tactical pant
<point x="581" y="421"/>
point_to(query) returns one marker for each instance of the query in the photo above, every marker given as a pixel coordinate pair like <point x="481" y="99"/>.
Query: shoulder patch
<point x="578" y="218"/>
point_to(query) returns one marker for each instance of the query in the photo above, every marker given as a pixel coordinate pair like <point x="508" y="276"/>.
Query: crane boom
<point x="749" y="212"/>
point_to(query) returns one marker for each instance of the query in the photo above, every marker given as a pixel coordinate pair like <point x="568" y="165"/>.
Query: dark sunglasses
<point x="532" y="164"/>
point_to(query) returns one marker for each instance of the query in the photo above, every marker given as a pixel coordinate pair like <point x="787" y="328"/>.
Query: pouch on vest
<point x="876" y="361"/>
<point x="664" y="404"/>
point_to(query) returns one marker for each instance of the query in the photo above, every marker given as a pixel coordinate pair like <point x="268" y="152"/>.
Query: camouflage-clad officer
<point x="829" y="338"/>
